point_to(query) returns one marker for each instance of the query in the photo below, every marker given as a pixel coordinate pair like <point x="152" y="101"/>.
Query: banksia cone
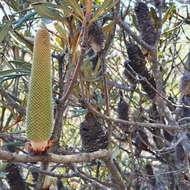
<point x="137" y="64"/>
<point x="145" y="24"/>
<point x="184" y="85"/>
<point x="92" y="134"/>
<point x="185" y="112"/>
<point x="14" y="178"/>
<point x="150" y="172"/>
<point x="123" y="113"/>
<point x="141" y="141"/>
<point x="95" y="37"/>
<point x="39" y="109"/>
<point x="137" y="59"/>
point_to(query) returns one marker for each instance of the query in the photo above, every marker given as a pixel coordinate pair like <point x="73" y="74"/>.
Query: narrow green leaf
<point x="13" y="4"/>
<point x="4" y="30"/>
<point x="22" y="64"/>
<point x="24" y="40"/>
<point x="12" y="72"/>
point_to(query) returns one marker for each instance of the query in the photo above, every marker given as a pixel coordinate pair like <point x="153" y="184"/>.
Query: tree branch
<point x="66" y="159"/>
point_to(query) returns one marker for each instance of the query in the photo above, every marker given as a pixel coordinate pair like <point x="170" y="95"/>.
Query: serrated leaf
<point x="68" y="5"/>
<point x="62" y="32"/>
<point x="103" y="9"/>
<point x="108" y="28"/>
<point x="4" y="30"/>
<point x="48" y="10"/>
<point x="169" y="13"/>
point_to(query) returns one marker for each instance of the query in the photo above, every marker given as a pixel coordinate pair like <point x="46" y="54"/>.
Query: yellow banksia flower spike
<point x="39" y="115"/>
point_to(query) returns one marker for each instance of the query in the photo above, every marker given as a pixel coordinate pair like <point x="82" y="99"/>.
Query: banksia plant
<point x="145" y="24"/>
<point x="39" y="115"/>
<point x="92" y="134"/>
<point x="137" y="64"/>
<point x="95" y="37"/>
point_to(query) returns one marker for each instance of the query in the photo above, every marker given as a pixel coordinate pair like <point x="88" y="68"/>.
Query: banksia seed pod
<point x="141" y="141"/>
<point x="145" y="24"/>
<point x="92" y="134"/>
<point x="138" y="64"/>
<point x="185" y="112"/>
<point x="179" y="154"/>
<point x="137" y="60"/>
<point x="150" y="172"/>
<point x="14" y="178"/>
<point x="184" y="85"/>
<point x="39" y="115"/>
<point x="123" y="113"/>
<point x="95" y="37"/>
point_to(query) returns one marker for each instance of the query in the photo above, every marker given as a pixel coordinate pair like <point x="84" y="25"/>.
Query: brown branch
<point x="139" y="124"/>
<point x="66" y="159"/>
<point x="117" y="178"/>
<point x="84" y="37"/>
<point x="74" y="77"/>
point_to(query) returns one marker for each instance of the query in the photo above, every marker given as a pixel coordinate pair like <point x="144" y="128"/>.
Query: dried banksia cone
<point x="145" y="24"/>
<point x="150" y="172"/>
<point x="123" y="113"/>
<point x="179" y="154"/>
<point x="137" y="64"/>
<point x="39" y="115"/>
<point x="14" y="178"/>
<point x="185" y="111"/>
<point x="95" y="37"/>
<point x="184" y="85"/>
<point x="136" y="59"/>
<point x="141" y="141"/>
<point x="92" y="134"/>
